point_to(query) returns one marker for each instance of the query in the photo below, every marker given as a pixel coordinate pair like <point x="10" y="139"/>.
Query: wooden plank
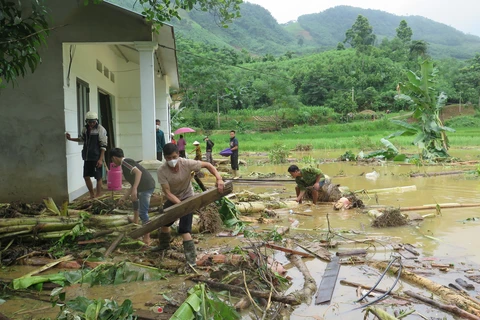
<point x="287" y="250"/>
<point x="181" y="209"/>
<point x="411" y="249"/>
<point x="406" y="254"/>
<point x="329" y="280"/>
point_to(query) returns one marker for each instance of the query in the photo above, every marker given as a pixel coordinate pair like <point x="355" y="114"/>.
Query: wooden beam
<point x="182" y="209"/>
<point x="329" y="280"/>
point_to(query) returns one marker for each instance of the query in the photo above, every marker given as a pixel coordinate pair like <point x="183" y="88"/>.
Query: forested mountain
<point x="328" y="28"/>
<point x="259" y="33"/>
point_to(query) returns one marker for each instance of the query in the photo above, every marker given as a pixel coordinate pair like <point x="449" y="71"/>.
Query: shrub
<point x="278" y="154"/>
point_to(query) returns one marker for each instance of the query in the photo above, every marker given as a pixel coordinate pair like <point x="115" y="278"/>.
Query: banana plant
<point x="431" y="134"/>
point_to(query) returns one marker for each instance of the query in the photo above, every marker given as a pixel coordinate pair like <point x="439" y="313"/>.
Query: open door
<point x="106" y="120"/>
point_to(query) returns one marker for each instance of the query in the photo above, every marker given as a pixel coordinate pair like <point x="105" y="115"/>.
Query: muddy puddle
<point x="446" y="238"/>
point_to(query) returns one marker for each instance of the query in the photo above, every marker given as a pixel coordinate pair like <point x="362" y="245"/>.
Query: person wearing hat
<point x="173" y="139"/>
<point x="198" y="151"/>
<point x="94" y="139"/>
<point x="208" y="149"/>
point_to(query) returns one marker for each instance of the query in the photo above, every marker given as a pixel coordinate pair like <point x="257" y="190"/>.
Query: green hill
<point x="259" y="33"/>
<point x="327" y="28"/>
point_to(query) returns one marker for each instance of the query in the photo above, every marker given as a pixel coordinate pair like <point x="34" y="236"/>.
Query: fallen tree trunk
<point x="309" y="284"/>
<point x="447" y="294"/>
<point x="433" y="174"/>
<point x="181" y="209"/>
<point x="290" y="299"/>
<point x="449" y="308"/>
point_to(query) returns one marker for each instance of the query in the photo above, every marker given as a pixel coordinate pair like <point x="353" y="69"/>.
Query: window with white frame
<point x="83" y="104"/>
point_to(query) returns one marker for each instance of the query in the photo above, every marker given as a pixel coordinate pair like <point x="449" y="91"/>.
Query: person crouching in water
<point x="141" y="190"/>
<point x="307" y="178"/>
<point x="175" y="179"/>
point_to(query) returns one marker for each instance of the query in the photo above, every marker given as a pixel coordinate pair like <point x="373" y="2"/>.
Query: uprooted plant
<point x="431" y="134"/>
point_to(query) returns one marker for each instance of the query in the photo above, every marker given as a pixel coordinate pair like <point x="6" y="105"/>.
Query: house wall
<point x="84" y="66"/>
<point x="161" y="105"/>
<point x="33" y="161"/>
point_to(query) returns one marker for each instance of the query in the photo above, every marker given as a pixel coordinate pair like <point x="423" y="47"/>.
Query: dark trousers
<point x="159" y="156"/>
<point x="185" y="224"/>
<point x="181" y="153"/>
<point x="234" y="160"/>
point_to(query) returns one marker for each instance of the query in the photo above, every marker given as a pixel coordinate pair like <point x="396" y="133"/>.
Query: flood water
<point x="455" y="241"/>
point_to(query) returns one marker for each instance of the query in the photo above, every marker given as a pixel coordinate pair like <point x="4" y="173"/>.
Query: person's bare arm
<point x="220" y="184"/>
<point x="300" y="196"/>
<point x="69" y="138"/>
<point x="133" y="189"/>
<point x="170" y="196"/>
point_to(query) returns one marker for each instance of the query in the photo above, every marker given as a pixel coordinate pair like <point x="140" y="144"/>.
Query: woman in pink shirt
<point x="181" y="143"/>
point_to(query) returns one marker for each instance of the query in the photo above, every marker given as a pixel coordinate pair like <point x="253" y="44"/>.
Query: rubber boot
<point x="235" y="174"/>
<point x="163" y="242"/>
<point x="190" y="252"/>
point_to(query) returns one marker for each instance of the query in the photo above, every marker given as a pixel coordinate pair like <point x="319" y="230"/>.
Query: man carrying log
<point x="308" y="178"/>
<point x="175" y="177"/>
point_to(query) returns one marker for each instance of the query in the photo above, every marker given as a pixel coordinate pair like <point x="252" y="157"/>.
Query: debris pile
<point x="391" y="217"/>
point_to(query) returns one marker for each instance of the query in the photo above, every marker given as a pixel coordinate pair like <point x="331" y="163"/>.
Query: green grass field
<point x="357" y="136"/>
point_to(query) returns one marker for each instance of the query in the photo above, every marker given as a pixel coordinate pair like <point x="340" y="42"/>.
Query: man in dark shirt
<point x="234" y="156"/>
<point x="142" y="187"/>
<point x="208" y="149"/>
<point x="94" y="139"/>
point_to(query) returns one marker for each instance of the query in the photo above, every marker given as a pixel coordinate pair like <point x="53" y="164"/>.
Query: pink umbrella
<point x="183" y="130"/>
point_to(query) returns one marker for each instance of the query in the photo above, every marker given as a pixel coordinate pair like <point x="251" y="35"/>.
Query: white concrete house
<point x="101" y="58"/>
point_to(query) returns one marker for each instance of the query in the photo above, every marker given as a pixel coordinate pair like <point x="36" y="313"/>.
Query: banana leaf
<point x="105" y="274"/>
<point x="204" y="304"/>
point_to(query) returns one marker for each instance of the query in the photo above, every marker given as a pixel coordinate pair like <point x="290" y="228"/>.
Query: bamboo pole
<point x="433" y="174"/>
<point x="449" y="308"/>
<point x="466" y="303"/>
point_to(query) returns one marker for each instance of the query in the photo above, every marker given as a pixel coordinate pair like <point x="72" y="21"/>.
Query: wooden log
<point x="433" y="174"/>
<point x="290" y="299"/>
<point x="309" y="284"/>
<point x="48" y="266"/>
<point x="114" y="244"/>
<point x="359" y="285"/>
<point x="181" y="209"/>
<point x="449" y="308"/>
<point x="356" y="252"/>
<point x="450" y="296"/>
<point x="287" y="250"/>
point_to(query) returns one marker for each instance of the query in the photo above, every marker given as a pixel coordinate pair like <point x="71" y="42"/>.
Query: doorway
<point x="107" y="121"/>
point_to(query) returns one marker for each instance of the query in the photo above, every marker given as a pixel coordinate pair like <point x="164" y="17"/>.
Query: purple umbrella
<point x="183" y="130"/>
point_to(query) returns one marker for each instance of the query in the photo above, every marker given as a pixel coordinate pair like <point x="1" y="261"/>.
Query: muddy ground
<point x="445" y="239"/>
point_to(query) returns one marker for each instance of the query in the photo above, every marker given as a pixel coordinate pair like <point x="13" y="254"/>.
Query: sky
<point x="460" y="14"/>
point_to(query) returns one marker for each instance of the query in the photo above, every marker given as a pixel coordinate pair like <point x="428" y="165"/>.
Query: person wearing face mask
<point x="94" y="139"/>
<point x="142" y="187"/>
<point x="175" y="177"/>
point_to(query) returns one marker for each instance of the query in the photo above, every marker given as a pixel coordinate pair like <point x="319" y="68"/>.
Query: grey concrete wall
<point x="32" y="140"/>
